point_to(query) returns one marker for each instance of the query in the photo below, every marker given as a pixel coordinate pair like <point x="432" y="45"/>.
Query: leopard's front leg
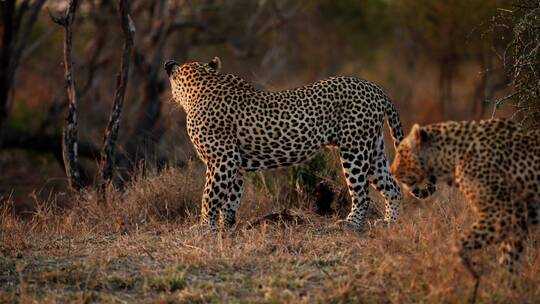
<point x="220" y="178"/>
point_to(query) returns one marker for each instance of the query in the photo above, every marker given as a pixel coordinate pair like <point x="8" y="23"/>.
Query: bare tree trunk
<point x="46" y="143"/>
<point x="70" y="133"/>
<point x="111" y="133"/>
<point x="141" y="143"/>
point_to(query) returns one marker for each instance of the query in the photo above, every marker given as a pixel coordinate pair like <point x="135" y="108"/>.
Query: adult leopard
<point x="236" y="128"/>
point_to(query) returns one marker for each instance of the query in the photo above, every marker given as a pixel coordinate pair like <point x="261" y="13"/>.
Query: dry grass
<point x="145" y="246"/>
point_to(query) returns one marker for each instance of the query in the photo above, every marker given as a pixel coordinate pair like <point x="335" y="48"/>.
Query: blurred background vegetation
<point x="436" y="59"/>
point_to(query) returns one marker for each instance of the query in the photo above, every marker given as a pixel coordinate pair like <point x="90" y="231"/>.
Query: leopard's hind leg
<point x="230" y="208"/>
<point x="513" y="246"/>
<point x="355" y="161"/>
<point x="381" y="179"/>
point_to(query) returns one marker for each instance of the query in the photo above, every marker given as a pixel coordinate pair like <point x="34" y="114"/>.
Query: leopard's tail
<point x="396" y="129"/>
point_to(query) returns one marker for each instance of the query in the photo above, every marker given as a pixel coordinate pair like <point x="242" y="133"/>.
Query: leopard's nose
<point x="169" y="66"/>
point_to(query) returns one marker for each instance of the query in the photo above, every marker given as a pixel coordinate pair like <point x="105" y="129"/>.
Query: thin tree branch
<point x="70" y="133"/>
<point x="42" y="142"/>
<point x="140" y="141"/>
<point x="111" y="133"/>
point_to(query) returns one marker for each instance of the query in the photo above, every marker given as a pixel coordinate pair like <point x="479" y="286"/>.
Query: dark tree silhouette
<point x="17" y="23"/>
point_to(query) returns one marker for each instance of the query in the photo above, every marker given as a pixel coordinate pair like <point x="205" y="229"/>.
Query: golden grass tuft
<point x="144" y="245"/>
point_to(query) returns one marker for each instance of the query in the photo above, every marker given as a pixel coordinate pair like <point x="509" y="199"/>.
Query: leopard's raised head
<point x="190" y="78"/>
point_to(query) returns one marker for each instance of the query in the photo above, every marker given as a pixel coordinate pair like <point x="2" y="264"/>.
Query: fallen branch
<point x="40" y="142"/>
<point x="47" y="143"/>
<point x="282" y="217"/>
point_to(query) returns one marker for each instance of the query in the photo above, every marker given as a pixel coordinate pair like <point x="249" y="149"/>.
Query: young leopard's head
<point x="410" y="164"/>
<point x="188" y="79"/>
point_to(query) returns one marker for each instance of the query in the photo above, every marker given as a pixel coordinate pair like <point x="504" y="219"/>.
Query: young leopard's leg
<point x="384" y="182"/>
<point x="356" y="165"/>
<point x="512" y="248"/>
<point x="229" y="209"/>
<point x="488" y="229"/>
<point x="488" y="193"/>
<point x="489" y="196"/>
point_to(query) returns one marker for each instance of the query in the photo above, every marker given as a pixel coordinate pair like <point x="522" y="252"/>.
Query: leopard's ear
<point x="215" y="64"/>
<point x="419" y="134"/>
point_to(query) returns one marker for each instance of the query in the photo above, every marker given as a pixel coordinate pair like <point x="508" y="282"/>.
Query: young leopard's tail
<point x="396" y="129"/>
